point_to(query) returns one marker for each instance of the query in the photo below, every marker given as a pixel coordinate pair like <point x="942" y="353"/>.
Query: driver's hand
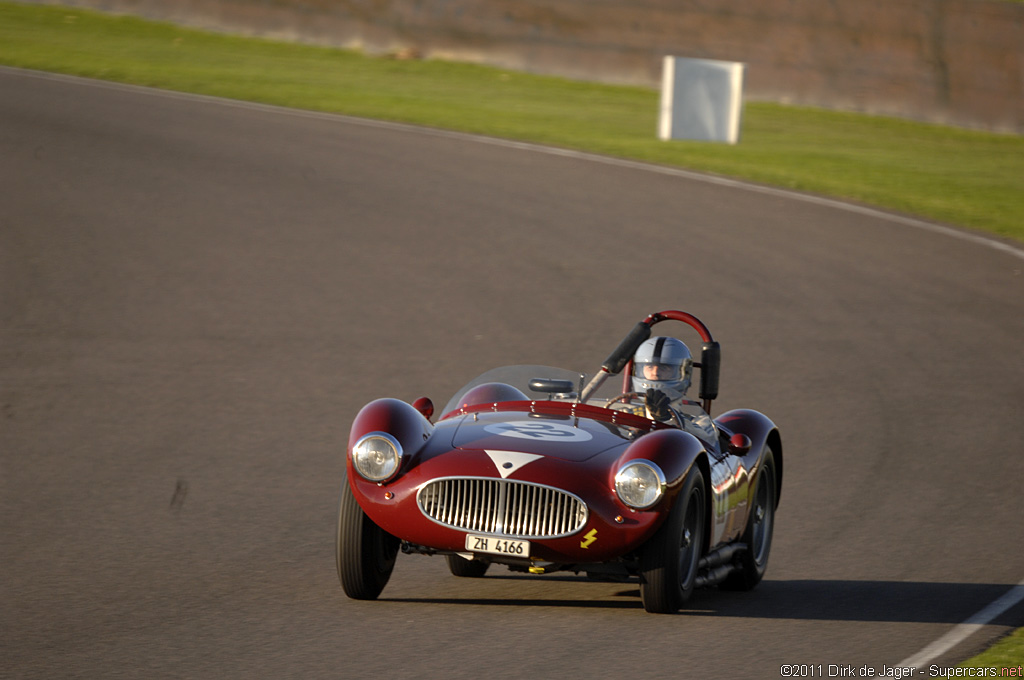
<point x="657" y="403"/>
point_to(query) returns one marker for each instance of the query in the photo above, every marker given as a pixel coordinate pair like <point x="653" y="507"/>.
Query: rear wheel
<point x="760" y="526"/>
<point x="460" y="566"/>
<point x="365" y="553"/>
<point x="668" y="563"/>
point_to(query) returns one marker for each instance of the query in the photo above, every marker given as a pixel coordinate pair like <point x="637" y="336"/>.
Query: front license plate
<point x="497" y="546"/>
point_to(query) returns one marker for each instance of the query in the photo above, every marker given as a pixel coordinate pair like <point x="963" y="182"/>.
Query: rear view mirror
<point x="552" y="386"/>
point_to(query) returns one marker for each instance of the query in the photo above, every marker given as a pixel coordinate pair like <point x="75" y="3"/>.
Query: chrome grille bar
<point x="502" y="507"/>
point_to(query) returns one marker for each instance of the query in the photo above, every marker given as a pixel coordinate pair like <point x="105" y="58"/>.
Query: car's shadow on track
<point x="873" y="601"/>
<point x="822" y="600"/>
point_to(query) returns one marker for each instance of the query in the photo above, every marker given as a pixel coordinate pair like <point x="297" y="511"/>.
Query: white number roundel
<point x="543" y="431"/>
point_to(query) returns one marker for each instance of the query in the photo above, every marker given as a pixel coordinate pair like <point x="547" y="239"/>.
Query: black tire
<point x="460" y="566"/>
<point x="760" y="527"/>
<point x="668" y="563"/>
<point x="365" y="553"/>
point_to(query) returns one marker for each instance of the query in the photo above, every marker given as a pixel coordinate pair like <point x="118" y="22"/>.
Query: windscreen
<point x="520" y="377"/>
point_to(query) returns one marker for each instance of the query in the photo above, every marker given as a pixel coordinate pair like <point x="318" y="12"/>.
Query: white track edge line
<point x="964" y="630"/>
<point x="971" y="237"/>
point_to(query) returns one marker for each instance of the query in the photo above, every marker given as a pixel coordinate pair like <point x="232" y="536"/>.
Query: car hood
<point x="562" y="437"/>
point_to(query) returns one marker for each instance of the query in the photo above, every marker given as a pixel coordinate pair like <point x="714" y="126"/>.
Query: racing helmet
<point x="663" y="364"/>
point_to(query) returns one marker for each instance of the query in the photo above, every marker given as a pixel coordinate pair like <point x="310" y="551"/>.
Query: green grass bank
<point x="1007" y="654"/>
<point x="962" y="177"/>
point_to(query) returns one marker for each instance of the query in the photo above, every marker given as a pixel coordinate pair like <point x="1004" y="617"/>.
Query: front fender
<point x="674" y="451"/>
<point x="396" y="418"/>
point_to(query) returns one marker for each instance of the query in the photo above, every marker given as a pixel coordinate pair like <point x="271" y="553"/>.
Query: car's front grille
<point x="502" y="507"/>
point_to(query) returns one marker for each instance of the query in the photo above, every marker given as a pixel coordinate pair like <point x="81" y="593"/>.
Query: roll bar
<point x="622" y="357"/>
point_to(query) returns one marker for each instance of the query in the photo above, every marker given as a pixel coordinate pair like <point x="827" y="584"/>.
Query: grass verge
<point x="1008" y="653"/>
<point x="967" y="178"/>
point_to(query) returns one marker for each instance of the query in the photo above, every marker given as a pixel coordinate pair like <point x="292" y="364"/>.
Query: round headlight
<point x="640" y="484"/>
<point x="377" y="456"/>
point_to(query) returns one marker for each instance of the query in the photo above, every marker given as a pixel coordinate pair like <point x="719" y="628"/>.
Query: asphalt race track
<point x="197" y="296"/>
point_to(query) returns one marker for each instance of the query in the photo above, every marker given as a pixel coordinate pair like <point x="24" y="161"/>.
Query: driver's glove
<point x="657" y="403"/>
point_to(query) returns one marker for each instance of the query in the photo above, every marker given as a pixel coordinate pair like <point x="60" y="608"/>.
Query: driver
<point x="662" y="369"/>
<point x="662" y="365"/>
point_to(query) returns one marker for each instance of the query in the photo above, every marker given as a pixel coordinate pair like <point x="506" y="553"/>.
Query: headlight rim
<point x="659" y="474"/>
<point x="398" y="455"/>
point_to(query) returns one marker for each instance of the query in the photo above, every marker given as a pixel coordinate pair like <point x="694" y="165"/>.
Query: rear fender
<point x="761" y="431"/>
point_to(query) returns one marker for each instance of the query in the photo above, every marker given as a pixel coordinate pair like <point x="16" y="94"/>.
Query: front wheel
<point x="668" y="563"/>
<point x="365" y="553"/>
<point x="760" y="527"/>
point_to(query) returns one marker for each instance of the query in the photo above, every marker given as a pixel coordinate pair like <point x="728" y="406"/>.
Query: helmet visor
<point x="657" y="371"/>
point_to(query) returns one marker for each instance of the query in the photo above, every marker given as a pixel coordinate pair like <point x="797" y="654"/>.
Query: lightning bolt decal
<point x="588" y="539"/>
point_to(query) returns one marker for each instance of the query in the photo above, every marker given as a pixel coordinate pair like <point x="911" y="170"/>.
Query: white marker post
<point x="701" y="99"/>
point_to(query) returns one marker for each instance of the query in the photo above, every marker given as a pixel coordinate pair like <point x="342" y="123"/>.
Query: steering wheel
<point x="627" y="396"/>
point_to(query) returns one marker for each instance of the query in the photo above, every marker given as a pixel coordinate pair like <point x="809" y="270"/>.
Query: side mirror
<point x="424" y="406"/>
<point x="739" y="444"/>
<point x="710" y="367"/>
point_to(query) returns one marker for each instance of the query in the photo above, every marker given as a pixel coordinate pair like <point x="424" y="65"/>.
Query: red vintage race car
<point x="544" y="469"/>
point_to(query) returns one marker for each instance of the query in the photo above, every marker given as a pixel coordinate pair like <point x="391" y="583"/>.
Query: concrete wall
<point x="958" y="62"/>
